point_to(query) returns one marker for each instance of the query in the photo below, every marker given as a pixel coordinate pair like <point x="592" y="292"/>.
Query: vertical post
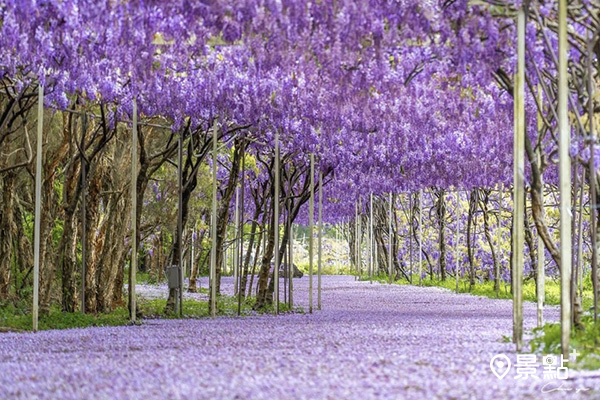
<point x="241" y="256"/>
<point x="276" y="227"/>
<point x="390" y="243"/>
<point x="564" y="134"/>
<point x="356" y="240"/>
<point x="519" y="182"/>
<point x="349" y="249"/>
<point x="38" y="208"/>
<point x="371" y="266"/>
<point x="236" y="252"/>
<point x="192" y="255"/>
<point x="320" y="244"/>
<point x="83" y="212"/>
<point x="213" y="228"/>
<point x="311" y="211"/>
<point x="291" y="269"/>
<point x="359" y="238"/>
<point x="179" y="300"/>
<point x="498" y="241"/>
<point x="410" y="241"/>
<point x="540" y="273"/>
<point x="420" y="237"/>
<point x="134" y="162"/>
<point x="457" y="252"/>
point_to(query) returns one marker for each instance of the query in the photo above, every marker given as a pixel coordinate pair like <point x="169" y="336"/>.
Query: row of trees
<point x="390" y="98"/>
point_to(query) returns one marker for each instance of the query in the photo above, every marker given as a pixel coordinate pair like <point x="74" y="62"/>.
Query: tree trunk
<point x="246" y="267"/>
<point x="472" y="209"/>
<point x="7" y="232"/>
<point x="223" y="212"/>
<point x="441" y="215"/>
<point x="488" y="235"/>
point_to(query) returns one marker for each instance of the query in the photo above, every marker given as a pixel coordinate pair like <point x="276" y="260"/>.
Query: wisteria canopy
<point x="393" y="95"/>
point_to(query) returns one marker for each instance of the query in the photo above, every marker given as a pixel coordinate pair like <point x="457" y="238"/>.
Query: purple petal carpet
<point x="370" y="341"/>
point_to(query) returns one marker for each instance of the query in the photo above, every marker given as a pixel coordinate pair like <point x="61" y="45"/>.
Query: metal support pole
<point x="349" y="249"/>
<point x="236" y="252"/>
<point x="410" y="236"/>
<point x="311" y="211"/>
<point x="193" y="254"/>
<point x="213" y="218"/>
<point x="241" y="256"/>
<point x="356" y="240"/>
<point x="519" y="188"/>
<point x="420" y="237"/>
<point x="498" y="241"/>
<point x="457" y="252"/>
<point x="371" y="268"/>
<point x="359" y="239"/>
<point x="390" y="244"/>
<point x="276" y="227"/>
<point x="564" y="133"/>
<point x="179" y="300"/>
<point x="38" y="208"/>
<point x="83" y="210"/>
<point x="134" y="172"/>
<point x="320" y="244"/>
<point x="291" y="269"/>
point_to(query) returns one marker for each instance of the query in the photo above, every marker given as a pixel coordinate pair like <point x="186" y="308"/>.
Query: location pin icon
<point x="500" y="365"/>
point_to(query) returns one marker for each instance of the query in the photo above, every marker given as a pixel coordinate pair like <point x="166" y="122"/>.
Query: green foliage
<point x="226" y="306"/>
<point x="142" y="277"/>
<point x="14" y="318"/>
<point x="18" y="317"/>
<point x="584" y="339"/>
<point x="486" y="288"/>
<point x="326" y="269"/>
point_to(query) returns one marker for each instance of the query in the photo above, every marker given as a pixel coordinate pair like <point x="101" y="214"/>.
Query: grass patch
<point x="56" y="319"/>
<point x="584" y="340"/>
<point x="326" y="269"/>
<point x="13" y="318"/>
<point x="486" y="288"/>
